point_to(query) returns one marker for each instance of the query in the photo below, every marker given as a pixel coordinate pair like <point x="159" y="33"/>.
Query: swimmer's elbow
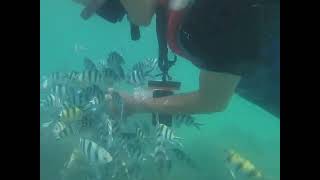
<point x="214" y="106"/>
<point x="214" y="109"/>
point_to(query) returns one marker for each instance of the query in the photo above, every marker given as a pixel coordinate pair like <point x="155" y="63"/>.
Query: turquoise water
<point x="243" y="126"/>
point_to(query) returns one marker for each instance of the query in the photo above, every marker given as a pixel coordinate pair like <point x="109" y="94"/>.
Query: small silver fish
<point x="79" y="48"/>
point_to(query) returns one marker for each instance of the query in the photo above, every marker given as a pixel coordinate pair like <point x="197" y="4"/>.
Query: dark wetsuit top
<point x="239" y="37"/>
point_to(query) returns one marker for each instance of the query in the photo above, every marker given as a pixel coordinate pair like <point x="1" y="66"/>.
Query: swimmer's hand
<point x="131" y="105"/>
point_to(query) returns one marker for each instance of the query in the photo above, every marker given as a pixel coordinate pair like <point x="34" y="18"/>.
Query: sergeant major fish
<point x="115" y="62"/>
<point x="71" y="114"/>
<point x="94" y="153"/>
<point x="186" y="119"/>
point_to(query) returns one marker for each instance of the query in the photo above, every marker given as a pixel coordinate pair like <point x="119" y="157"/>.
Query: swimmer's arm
<point x="140" y="12"/>
<point x="214" y="94"/>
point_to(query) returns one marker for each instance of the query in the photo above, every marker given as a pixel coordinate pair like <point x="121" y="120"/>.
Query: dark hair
<point x="112" y="11"/>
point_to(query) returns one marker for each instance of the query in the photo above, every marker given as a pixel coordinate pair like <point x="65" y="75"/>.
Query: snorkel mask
<point x="110" y="10"/>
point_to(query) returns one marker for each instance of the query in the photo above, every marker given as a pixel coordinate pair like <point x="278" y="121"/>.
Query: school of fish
<point x="110" y="146"/>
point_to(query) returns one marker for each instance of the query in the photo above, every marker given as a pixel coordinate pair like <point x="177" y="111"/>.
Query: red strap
<point x="174" y="20"/>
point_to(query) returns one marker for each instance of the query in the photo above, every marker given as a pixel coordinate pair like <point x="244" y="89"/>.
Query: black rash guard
<point x="238" y="37"/>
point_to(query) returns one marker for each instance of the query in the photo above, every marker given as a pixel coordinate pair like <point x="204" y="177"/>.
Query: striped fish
<point x="115" y="62"/>
<point x="116" y="128"/>
<point x="182" y="156"/>
<point x="52" y="79"/>
<point x="161" y="159"/>
<point x="165" y="133"/>
<point x="61" y="130"/>
<point x="71" y="114"/>
<point x="62" y="91"/>
<point x="147" y="66"/>
<point x="94" y="153"/>
<point x="136" y="77"/>
<point x="58" y="77"/>
<point x="141" y="72"/>
<point x="108" y="124"/>
<point x="93" y="91"/>
<point x="237" y="164"/>
<point x="86" y="122"/>
<point x="78" y="99"/>
<point x="72" y="76"/>
<point x="75" y="155"/>
<point x="104" y="131"/>
<point x="114" y="58"/>
<point x="97" y="96"/>
<point x="91" y="77"/>
<point x="84" y="96"/>
<point x="136" y="153"/>
<point x="118" y="103"/>
<point x="50" y="101"/>
<point x="186" y="119"/>
<point x="89" y="64"/>
<point x="110" y="75"/>
<point x="123" y="140"/>
<point x="140" y="134"/>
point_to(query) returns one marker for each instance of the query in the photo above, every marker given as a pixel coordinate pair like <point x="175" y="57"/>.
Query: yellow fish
<point x="240" y="165"/>
<point x="71" y="114"/>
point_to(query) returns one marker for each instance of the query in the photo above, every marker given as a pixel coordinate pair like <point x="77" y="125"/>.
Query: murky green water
<point x="243" y="126"/>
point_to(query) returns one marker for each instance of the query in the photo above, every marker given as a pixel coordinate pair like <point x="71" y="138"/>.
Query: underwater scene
<point x="88" y="68"/>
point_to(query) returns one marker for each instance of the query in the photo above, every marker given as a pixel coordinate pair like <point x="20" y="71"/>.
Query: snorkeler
<point x="222" y="38"/>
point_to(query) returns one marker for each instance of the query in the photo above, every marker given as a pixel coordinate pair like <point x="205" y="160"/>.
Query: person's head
<point x="110" y="10"/>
